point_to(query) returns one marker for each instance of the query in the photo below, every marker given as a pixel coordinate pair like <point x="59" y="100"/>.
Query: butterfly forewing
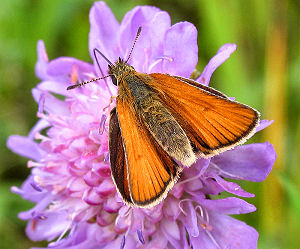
<point x="212" y="121"/>
<point x="151" y="171"/>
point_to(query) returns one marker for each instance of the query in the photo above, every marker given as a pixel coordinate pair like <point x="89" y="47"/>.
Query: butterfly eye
<point x="114" y="80"/>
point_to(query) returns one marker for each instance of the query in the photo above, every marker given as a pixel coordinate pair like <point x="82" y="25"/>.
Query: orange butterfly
<point x="162" y="122"/>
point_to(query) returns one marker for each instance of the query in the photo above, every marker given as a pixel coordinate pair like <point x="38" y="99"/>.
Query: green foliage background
<point x="264" y="72"/>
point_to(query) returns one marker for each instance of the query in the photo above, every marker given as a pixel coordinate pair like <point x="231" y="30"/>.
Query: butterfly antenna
<point x="86" y="82"/>
<point x="136" y="37"/>
<point x="98" y="51"/>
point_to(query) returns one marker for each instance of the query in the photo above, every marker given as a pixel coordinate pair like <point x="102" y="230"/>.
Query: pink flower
<point x="77" y="205"/>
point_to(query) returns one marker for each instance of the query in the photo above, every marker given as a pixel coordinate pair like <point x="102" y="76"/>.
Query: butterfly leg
<point x="110" y="102"/>
<point x="104" y="116"/>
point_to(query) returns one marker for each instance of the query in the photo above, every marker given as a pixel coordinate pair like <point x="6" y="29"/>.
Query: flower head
<point x="77" y="205"/>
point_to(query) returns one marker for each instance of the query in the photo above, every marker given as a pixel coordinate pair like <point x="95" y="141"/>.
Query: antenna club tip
<point x="139" y="29"/>
<point x="70" y="87"/>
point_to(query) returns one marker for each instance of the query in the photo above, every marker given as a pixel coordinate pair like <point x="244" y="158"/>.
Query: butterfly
<point x="162" y="123"/>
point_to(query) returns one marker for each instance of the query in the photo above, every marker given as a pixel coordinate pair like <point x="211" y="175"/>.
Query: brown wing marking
<point x="151" y="172"/>
<point x="117" y="158"/>
<point x="212" y="121"/>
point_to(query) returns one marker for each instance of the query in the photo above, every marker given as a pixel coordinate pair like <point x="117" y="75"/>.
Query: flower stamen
<point x="181" y="208"/>
<point x="158" y="60"/>
<point x="41" y="103"/>
<point x="204" y="217"/>
<point x="39" y="136"/>
<point x="123" y="242"/>
<point x="74" y="74"/>
<point x="189" y="179"/>
<point x="222" y="172"/>
<point x="17" y="190"/>
<point x="200" y="209"/>
<point x="32" y="164"/>
<point x="140" y="235"/>
<point x="213" y="239"/>
<point x="164" y="57"/>
<point x="36" y="187"/>
<point x="106" y="157"/>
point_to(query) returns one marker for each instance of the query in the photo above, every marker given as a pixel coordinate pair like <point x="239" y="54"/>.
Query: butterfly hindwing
<point x="117" y="157"/>
<point x="201" y="86"/>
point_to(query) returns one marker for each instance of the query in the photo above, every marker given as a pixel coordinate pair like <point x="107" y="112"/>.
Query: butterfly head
<point x="116" y="71"/>
<point x="119" y="70"/>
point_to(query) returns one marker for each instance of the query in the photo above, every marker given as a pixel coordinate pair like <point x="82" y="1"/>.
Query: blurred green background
<point x="264" y="73"/>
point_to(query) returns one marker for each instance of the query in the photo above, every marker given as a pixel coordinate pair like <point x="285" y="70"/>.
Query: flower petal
<point x="251" y="162"/>
<point x="234" y="233"/>
<point x="40" y="125"/>
<point x="189" y="219"/>
<point x="231" y="187"/>
<point x="197" y="169"/>
<point x="151" y="55"/>
<point x="174" y="233"/>
<point x="49" y="228"/>
<point x="37" y="209"/>
<point x="223" y="54"/>
<point x="51" y="104"/>
<point x="181" y="47"/>
<point x="28" y="191"/>
<point x="226" y="232"/>
<point x="170" y="229"/>
<point x="24" y="147"/>
<point x="151" y="36"/>
<point x="41" y="65"/>
<point x="171" y="208"/>
<point x="104" y="34"/>
<point x="263" y="124"/>
<point x="229" y="205"/>
<point x="61" y="68"/>
<point x="158" y="241"/>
